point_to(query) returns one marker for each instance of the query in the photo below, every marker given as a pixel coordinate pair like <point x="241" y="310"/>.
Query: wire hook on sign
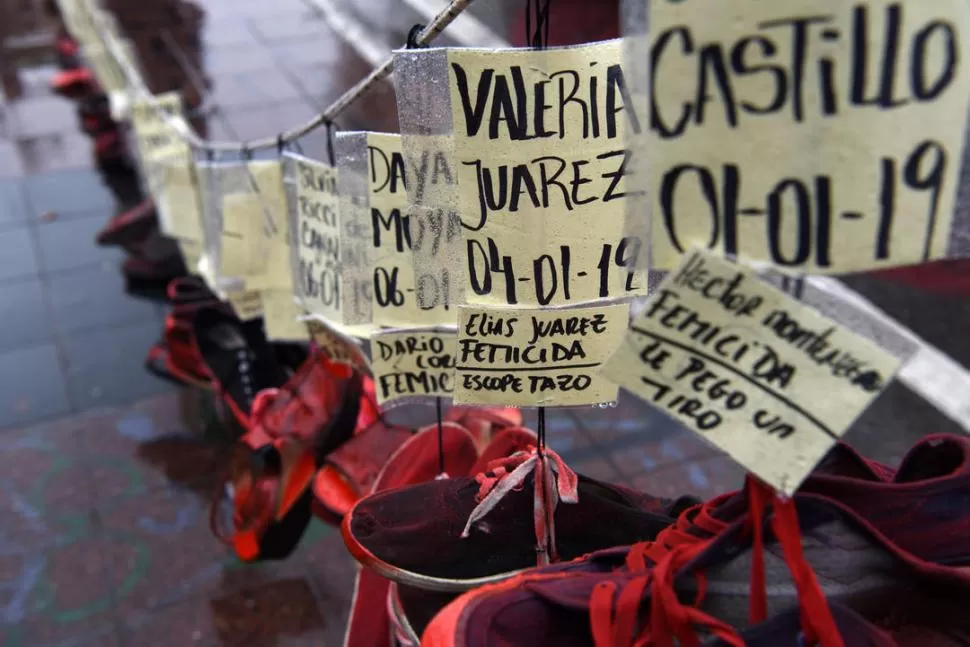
<point x="412" y="41"/>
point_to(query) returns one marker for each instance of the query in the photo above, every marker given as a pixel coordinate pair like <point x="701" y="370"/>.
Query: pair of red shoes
<point x="862" y="555"/>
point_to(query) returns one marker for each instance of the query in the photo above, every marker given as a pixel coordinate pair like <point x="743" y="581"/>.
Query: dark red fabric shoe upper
<point x="418" y="529"/>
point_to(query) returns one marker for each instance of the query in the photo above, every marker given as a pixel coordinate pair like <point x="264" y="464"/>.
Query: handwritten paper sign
<point x="338" y="347"/>
<point x="182" y="201"/>
<point x="326" y="290"/>
<point x="762" y="376"/>
<point x="518" y="357"/>
<point x="251" y="249"/>
<point x="394" y="290"/>
<point x="413" y="363"/>
<point x="819" y="135"/>
<point x="542" y="159"/>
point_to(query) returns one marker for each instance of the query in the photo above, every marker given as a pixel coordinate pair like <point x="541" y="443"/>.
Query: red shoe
<point x="239" y="359"/>
<point x="109" y="147"/>
<point x="150" y="278"/>
<point x="66" y="50"/>
<point x="176" y="358"/>
<point x="129" y="227"/>
<point x="825" y="575"/>
<point x="73" y="83"/>
<point x="483" y="422"/>
<point x="292" y="429"/>
<point x="351" y="471"/>
<point x="415" y="461"/>
<point x="943" y="277"/>
<point x="455" y="534"/>
<point x="920" y="514"/>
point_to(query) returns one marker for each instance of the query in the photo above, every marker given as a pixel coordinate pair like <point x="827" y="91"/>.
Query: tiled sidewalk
<point x="104" y="536"/>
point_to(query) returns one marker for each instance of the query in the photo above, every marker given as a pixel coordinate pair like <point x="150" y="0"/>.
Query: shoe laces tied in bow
<point x="615" y="616"/>
<point x="554" y="481"/>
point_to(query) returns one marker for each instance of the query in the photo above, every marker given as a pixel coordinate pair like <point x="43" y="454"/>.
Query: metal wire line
<point x="180" y="126"/>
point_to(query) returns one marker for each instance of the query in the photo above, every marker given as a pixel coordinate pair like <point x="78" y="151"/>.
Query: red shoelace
<point x="615" y="616"/>
<point x="554" y="482"/>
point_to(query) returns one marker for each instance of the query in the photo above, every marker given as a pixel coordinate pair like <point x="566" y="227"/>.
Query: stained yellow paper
<point x="246" y="304"/>
<point x="338" y="346"/>
<point x="318" y="240"/>
<point x="818" y="135"/>
<point x="243" y="244"/>
<point x="762" y="376"/>
<point x="395" y="299"/>
<point x="183" y="201"/>
<point x="540" y="141"/>
<point x="413" y="364"/>
<point x="276" y="271"/>
<point x="250" y="250"/>
<point x="281" y="317"/>
<point x="106" y="70"/>
<point x="531" y="357"/>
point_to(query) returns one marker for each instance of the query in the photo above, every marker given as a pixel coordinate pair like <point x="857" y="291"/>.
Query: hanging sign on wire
<point x="757" y="373"/>
<point x="413" y="363"/>
<point x="541" y="157"/>
<point x="394" y="290"/>
<point x="536" y="357"/>
<point x="820" y="136"/>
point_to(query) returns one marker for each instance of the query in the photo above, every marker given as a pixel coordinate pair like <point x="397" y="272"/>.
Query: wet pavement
<point x="107" y="473"/>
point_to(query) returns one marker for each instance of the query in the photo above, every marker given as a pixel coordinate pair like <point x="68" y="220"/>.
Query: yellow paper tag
<point x="281" y="317"/>
<point x="339" y="347"/>
<point x="318" y="239"/>
<point x="276" y="271"/>
<point x="818" y="135"/>
<point x="762" y="376"/>
<point x="183" y="201"/>
<point x="243" y="238"/>
<point x="413" y="364"/>
<point x="247" y="305"/>
<point x="542" y="158"/>
<point x="394" y="290"/>
<point x="252" y="249"/>
<point x="513" y="357"/>
<point x="106" y="69"/>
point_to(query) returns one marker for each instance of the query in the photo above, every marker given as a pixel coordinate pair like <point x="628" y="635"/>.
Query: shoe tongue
<point x="844" y="461"/>
<point x="933" y="457"/>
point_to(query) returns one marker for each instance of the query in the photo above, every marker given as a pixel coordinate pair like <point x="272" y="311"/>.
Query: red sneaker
<point x="239" y="359"/>
<point x="351" y="471"/>
<point x="919" y="513"/>
<point x="416" y="460"/>
<point x="131" y="226"/>
<point x="817" y="553"/>
<point x="291" y="430"/>
<point x="943" y="277"/>
<point x="73" y="83"/>
<point x="487" y="528"/>
<point x="483" y="422"/>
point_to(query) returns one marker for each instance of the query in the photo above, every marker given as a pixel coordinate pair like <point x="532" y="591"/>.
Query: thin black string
<point x="541" y="428"/>
<point x="537" y="11"/>
<point x="331" y="156"/>
<point x="441" y="438"/>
